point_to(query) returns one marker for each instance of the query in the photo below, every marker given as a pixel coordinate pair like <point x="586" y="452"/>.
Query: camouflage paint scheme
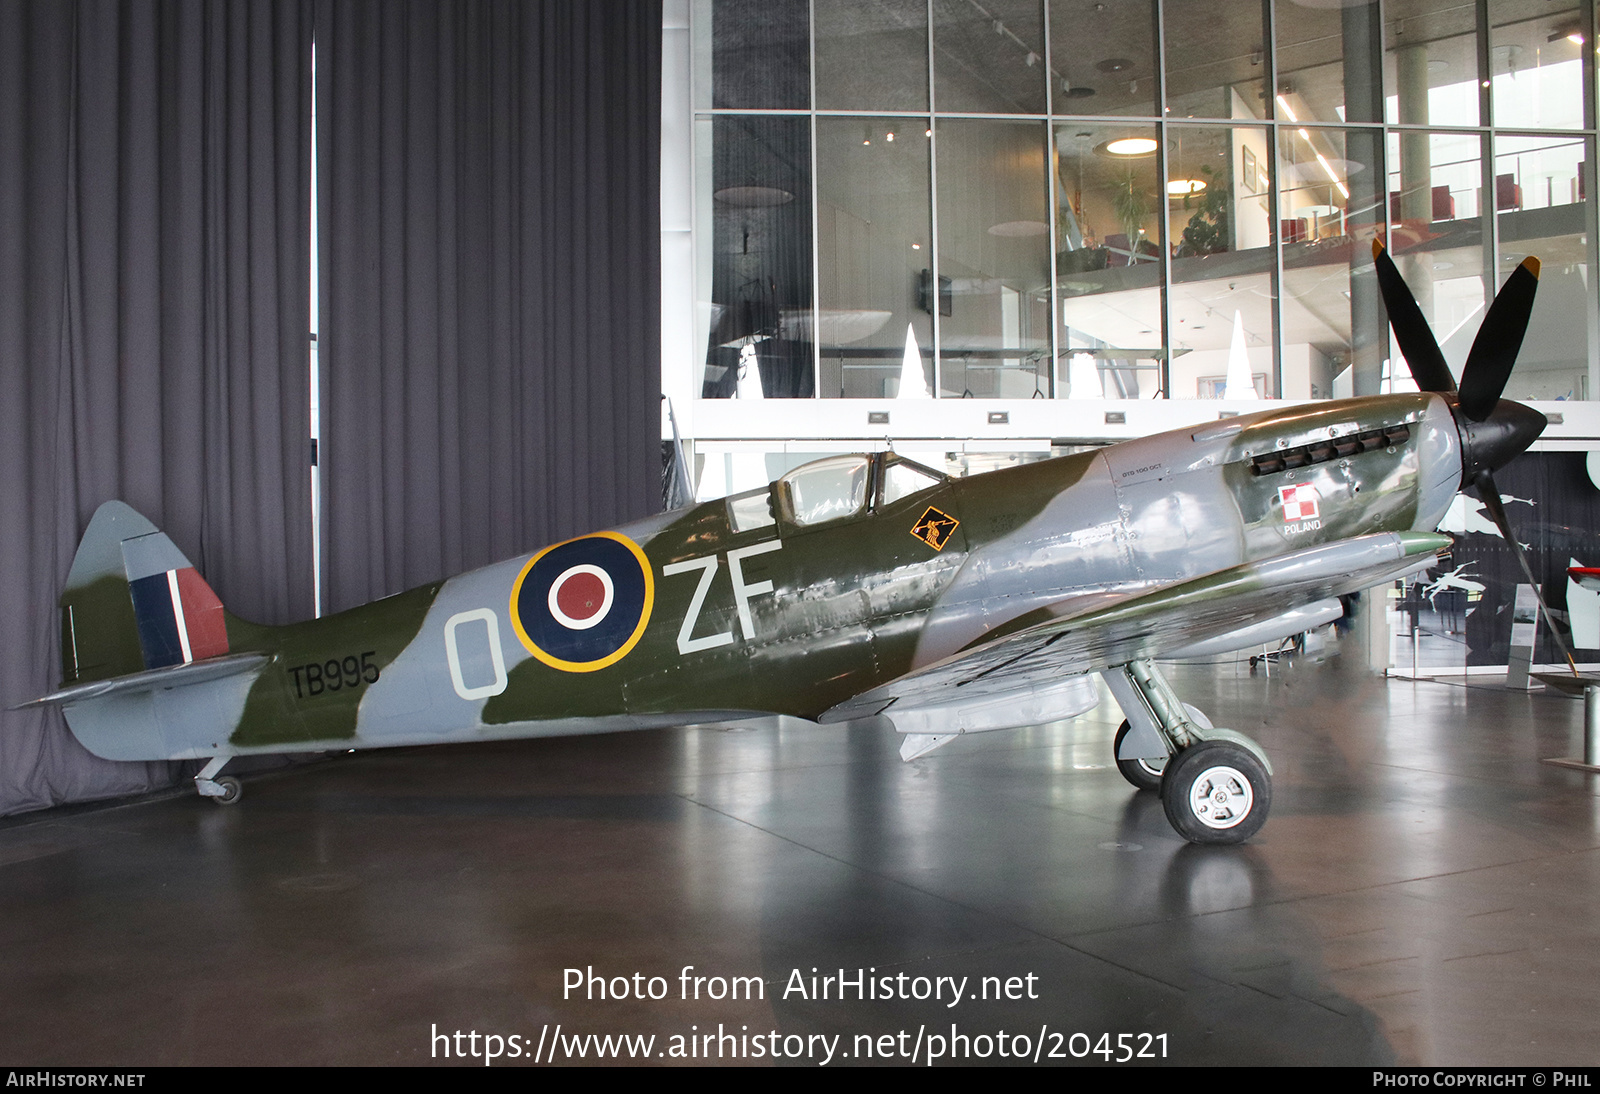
<point x="854" y="586"/>
<point x="1163" y="538"/>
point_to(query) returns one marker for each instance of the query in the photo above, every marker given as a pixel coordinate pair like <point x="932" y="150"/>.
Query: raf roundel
<point x="583" y="604"/>
<point x="582" y="597"/>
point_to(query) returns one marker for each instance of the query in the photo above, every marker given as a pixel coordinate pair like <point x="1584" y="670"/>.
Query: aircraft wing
<point x="1089" y="633"/>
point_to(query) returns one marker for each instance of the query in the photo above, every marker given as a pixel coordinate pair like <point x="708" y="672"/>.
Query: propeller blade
<point x="1490" y="496"/>
<point x="1494" y="351"/>
<point x="1411" y="330"/>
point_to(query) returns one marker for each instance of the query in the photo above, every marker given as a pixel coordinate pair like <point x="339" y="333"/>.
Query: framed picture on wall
<point x="1213" y="387"/>
<point x="1247" y="171"/>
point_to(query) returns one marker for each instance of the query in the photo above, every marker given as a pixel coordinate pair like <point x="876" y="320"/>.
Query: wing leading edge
<point x="1074" y="636"/>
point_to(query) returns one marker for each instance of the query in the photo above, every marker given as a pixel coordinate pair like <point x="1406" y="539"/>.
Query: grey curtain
<point x="490" y="305"/>
<point x="154" y="253"/>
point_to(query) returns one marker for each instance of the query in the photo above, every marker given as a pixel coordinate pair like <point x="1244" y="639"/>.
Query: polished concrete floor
<point x="1425" y="892"/>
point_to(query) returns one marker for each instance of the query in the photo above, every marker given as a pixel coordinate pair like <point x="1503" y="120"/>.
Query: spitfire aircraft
<point x="852" y="587"/>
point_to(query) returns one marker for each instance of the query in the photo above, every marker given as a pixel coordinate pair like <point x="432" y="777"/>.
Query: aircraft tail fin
<point x="134" y="603"/>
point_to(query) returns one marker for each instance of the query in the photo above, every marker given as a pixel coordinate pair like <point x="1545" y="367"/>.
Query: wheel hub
<point x="1220" y="797"/>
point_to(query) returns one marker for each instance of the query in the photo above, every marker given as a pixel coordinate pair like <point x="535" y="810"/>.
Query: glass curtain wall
<point x="1082" y="199"/>
<point x="874" y="258"/>
<point x="994" y="258"/>
<point x="1110" y="237"/>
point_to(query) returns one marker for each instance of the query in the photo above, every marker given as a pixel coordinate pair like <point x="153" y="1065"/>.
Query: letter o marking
<point x="497" y="659"/>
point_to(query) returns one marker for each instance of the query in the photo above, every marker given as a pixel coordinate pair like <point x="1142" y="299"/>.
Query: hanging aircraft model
<point x="854" y="586"/>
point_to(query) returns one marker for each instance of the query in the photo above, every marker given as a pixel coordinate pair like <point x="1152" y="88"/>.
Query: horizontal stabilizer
<point x="172" y="676"/>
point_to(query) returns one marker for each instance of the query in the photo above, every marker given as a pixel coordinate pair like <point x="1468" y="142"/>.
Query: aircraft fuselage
<point x="685" y="617"/>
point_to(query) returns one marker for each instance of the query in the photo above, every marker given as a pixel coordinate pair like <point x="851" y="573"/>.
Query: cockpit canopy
<point x="831" y="489"/>
<point x="828" y="489"/>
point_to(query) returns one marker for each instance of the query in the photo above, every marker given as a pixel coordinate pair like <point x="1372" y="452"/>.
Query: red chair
<point x="1444" y="206"/>
<point x="1507" y="194"/>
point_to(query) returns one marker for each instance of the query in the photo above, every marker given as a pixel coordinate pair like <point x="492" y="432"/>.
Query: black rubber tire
<point x="1143" y="774"/>
<point x="1233" y="789"/>
<point x="232" y="790"/>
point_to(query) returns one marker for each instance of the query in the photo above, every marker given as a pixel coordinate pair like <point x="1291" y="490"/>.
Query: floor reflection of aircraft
<point x="854" y="586"/>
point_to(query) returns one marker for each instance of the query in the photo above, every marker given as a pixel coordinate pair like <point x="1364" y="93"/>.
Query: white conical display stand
<point x="1083" y="378"/>
<point x="736" y="472"/>
<point x="1239" y="384"/>
<point x="913" y="384"/>
<point x="749" y="375"/>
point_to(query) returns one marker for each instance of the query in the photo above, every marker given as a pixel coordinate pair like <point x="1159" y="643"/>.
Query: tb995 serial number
<point x="334" y="674"/>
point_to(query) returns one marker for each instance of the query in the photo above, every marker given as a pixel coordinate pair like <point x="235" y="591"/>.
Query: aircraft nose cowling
<point x="1505" y="434"/>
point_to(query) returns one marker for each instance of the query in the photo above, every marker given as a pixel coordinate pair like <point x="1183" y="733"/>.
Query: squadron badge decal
<point x="583" y="604"/>
<point x="934" y="528"/>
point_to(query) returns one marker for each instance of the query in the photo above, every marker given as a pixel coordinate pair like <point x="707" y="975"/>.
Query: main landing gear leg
<point x="222" y="789"/>
<point x="1144" y="772"/>
<point x="1216" y="784"/>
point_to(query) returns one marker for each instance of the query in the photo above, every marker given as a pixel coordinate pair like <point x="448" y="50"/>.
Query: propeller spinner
<point x="1493" y="430"/>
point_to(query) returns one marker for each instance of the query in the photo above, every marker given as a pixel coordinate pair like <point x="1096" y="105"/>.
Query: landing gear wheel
<point x="232" y="791"/>
<point x="1143" y="774"/>
<point x="1216" y="792"/>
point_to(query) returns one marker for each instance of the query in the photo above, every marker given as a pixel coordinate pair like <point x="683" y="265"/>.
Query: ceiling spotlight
<point x="753" y="197"/>
<point x="889" y="137"/>
<point x="1131" y="146"/>
<point x="1182" y="188"/>
<point x="1020" y="229"/>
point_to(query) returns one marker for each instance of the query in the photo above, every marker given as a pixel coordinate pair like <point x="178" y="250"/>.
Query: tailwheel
<point x="232" y="790"/>
<point x="1143" y="774"/>
<point x="1216" y="792"/>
